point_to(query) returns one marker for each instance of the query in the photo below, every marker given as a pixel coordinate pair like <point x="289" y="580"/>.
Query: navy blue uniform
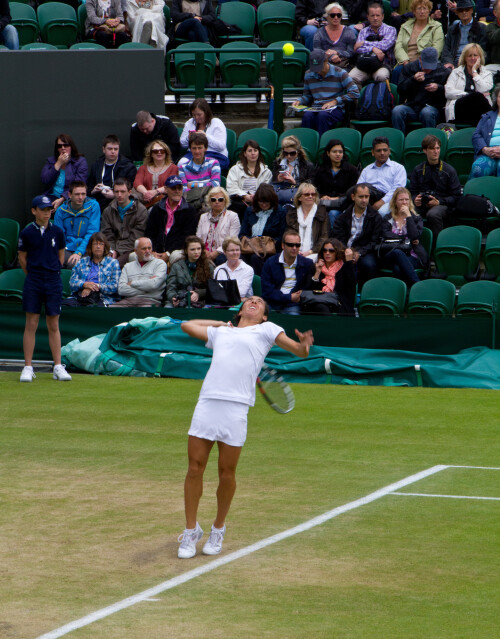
<point x="43" y="283"/>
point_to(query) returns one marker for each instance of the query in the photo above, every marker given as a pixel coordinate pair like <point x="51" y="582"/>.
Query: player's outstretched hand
<point x="306" y="339"/>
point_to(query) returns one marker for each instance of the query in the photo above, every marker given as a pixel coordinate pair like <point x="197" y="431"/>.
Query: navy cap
<point x="41" y="202"/>
<point x="316" y="60"/>
<point x="464" y="4"/>
<point x="429" y="58"/>
<point x="173" y="180"/>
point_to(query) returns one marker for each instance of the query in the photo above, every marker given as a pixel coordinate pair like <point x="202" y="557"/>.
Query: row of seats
<point x="388" y="296"/>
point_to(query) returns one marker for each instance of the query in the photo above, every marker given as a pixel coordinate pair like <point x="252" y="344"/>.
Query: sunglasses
<point x="293" y="244"/>
<point x="309" y="194"/>
<point x="217" y="199"/>
<point x="63" y="145"/>
<point x="290" y="153"/>
<point x="335" y="15"/>
<point x="158" y="151"/>
<point x="327" y="250"/>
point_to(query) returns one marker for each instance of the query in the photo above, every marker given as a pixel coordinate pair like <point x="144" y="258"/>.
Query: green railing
<point x="200" y="90"/>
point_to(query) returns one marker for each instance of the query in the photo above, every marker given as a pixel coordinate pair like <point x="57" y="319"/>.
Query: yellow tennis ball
<point x="288" y="48"/>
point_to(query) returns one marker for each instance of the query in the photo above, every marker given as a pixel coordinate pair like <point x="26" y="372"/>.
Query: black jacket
<point x="370" y="233"/>
<point x="164" y="130"/>
<point x="123" y="168"/>
<point x="5" y="17"/>
<point x="185" y="223"/>
<point x="413" y="93"/>
<point x="335" y="185"/>
<point x="414" y="227"/>
<point x="345" y="287"/>
<point x="275" y="225"/>
<point x="307" y="9"/>
<point x="208" y="15"/>
<point x="441" y="180"/>
<point x="477" y="34"/>
<point x="306" y="172"/>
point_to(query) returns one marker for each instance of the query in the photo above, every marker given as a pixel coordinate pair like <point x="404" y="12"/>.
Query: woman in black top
<point x="334" y="177"/>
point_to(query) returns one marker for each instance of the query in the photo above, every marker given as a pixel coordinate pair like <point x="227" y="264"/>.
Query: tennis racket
<point x="275" y="390"/>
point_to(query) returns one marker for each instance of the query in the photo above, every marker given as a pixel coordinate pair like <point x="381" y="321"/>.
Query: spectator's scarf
<point x="329" y="272"/>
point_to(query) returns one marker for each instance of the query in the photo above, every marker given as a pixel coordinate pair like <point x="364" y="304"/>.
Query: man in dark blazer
<point x="359" y="227"/>
<point x="284" y="275"/>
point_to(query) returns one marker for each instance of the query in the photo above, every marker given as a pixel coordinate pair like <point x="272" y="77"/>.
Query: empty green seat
<point x="396" y="142"/>
<point x="492" y="254"/>
<point x="460" y="152"/>
<point x="9" y="235"/>
<point x="11" y="285"/>
<point x="479" y="298"/>
<point x="24" y="19"/>
<point x="276" y="20"/>
<point x="413" y="153"/>
<point x="432" y="297"/>
<point x="382" y="296"/>
<point x="457" y="253"/>
<point x="58" y="24"/>
<point x="309" y="139"/>
<point x="267" y="139"/>
<point x="39" y="46"/>
<point x="185" y="66"/>
<point x="294" y="66"/>
<point x="135" y="45"/>
<point x="240" y="14"/>
<point x="240" y="68"/>
<point x="351" y="139"/>
<point x="89" y="46"/>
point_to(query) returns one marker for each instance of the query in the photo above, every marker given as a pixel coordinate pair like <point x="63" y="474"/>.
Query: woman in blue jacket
<point x="64" y="167"/>
<point x="486" y="142"/>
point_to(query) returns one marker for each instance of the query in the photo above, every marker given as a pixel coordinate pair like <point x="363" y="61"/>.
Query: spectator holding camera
<point x="309" y="18"/>
<point x="434" y="186"/>
<point x="374" y="48"/>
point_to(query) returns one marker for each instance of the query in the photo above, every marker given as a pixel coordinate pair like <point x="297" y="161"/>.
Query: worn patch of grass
<point x="91" y="506"/>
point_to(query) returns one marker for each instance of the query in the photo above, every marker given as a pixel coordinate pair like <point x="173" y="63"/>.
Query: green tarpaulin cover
<point x="157" y="346"/>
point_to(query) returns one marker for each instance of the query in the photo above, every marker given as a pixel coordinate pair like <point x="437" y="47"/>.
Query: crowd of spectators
<point x="153" y="233"/>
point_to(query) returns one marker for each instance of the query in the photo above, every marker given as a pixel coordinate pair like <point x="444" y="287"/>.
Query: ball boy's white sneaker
<point x="27" y="374"/>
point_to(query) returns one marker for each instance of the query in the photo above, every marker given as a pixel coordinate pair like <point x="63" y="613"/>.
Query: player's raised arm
<point x="198" y="327"/>
<point x="300" y="348"/>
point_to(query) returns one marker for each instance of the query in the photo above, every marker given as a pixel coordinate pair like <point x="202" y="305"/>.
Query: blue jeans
<point x="403" y="266"/>
<point x="483" y="165"/>
<point x="291" y="309"/>
<point x="9" y="38"/>
<point x="322" y="120"/>
<point x="428" y="116"/>
<point x="192" y="29"/>
<point x="307" y="34"/>
<point x="332" y="215"/>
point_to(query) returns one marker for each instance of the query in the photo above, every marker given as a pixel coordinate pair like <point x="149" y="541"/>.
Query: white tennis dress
<point x="229" y="386"/>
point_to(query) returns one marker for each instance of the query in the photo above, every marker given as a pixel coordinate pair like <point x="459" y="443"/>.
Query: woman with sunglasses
<point x="334" y="177"/>
<point x="152" y="175"/>
<point x="334" y="274"/>
<point x="246" y="176"/>
<point x="62" y="168"/>
<point x="188" y="277"/>
<point x="264" y="218"/>
<point x="309" y="218"/>
<point x="217" y="223"/>
<point x="336" y="40"/>
<point x="290" y="169"/>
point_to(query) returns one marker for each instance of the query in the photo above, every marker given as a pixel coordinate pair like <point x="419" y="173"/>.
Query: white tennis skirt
<point x="220" y="421"/>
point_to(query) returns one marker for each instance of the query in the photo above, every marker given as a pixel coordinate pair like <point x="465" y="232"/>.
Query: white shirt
<point x="238" y="355"/>
<point x="243" y="274"/>
<point x="290" y="276"/>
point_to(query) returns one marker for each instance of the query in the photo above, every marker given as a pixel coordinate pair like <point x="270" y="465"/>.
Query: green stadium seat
<point x="460" y="153"/>
<point x="309" y="138"/>
<point x="365" y="125"/>
<point x="432" y="297"/>
<point x="396" y="142"/>
<point x="294" y="66"/>
<point x="240" y="68"/>
<point x="39" y="46"/>
<point x="413" y="153"/>
<point x="230" y="143"/>
<point x="185" y="68"/>
<point x="492" y="254"/>
<point x="89" y="46"/>
<point x="241" y="14"/>
<point x="24" y="19"/>
<point x="488" y="186"/>
<point x="266" y="138"/>
<point x="479" y="298"/>
<point x="276" y="20"/>
<point x="351" y="139"/>
<point x="58" y="24"/>
<point x="65" y="277"/>
<point x="382" y="296"/>
<point x="11" y="285"/>
<point x="457" y="253"/>
<point x="135" y="45"/>
<point x="9" y="235"/>
<point x="81" y="15"/>
<point x="256" y="285"/>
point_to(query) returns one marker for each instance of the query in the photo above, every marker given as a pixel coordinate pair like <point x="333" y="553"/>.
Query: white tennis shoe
<point x="214" y="542"/>
<point x="189" y="538"/>
<point x="27" y="374"/>
<point x="60" y="373"/>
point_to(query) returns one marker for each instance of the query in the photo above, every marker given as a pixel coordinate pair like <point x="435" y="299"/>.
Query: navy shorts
<point x="42" y="289"/>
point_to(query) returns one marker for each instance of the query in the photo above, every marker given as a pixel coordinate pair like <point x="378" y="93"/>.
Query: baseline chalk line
<point x="238" y="554"/>
<point x="445" y="496"/>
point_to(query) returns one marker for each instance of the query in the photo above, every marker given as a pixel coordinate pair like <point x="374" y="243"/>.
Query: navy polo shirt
<point x="42" y="248"/>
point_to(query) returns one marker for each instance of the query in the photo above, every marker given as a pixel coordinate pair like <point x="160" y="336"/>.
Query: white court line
<point x="476" y="467"/>
<point x="445" y="496"/>
<point x="243" y="552"/>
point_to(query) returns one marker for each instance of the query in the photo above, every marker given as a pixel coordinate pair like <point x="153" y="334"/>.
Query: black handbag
<point x="331" y="299"/>
<point x="475" y="206"/>
<point x="223" y="292"/>
<point x="386" y="246"/>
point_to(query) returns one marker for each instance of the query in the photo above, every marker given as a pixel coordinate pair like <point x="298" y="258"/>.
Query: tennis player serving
<point x="239" y="350"/>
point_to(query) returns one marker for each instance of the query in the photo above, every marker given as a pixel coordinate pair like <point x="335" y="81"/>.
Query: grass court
<point x="91" y="504"/>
